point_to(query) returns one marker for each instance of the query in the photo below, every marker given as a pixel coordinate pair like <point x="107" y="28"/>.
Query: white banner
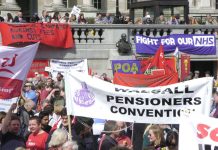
<point x="61" y="66"/>
<point x="75" y="11"/>
<point x="14" y="66"/>
<point x="92" y="97"/>
<point x="200" y="132"/>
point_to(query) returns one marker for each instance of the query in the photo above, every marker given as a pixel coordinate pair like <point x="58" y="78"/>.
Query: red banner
<point x="156" y="72"/>
<point x="140" y="80"/>
<point x="9" y="88"/>
<point x="170" y="65"/>
<point x="185" y="66"/>
<point x="52" y="34"/>
<point x="38" y="66"/>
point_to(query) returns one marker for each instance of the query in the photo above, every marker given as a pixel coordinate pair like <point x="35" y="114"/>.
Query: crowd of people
<point x="106" y="19"/>
<point x="39" y="121"/>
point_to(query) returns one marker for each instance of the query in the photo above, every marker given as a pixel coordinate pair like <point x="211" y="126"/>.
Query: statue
<point x="124" y="47"/>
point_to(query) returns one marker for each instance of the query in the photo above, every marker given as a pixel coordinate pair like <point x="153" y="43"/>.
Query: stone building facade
<point x="91" y="7"/>
<point x="88" y="7"/>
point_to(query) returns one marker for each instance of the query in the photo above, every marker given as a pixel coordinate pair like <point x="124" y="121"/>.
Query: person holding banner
<point x="80" y="130"/>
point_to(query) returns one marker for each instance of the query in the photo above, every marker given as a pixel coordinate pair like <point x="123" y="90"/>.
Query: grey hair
<point x="70" y="145"/>
<point x="58" y="138"/>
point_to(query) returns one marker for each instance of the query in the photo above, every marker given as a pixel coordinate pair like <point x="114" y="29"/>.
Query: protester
<point x="73" y="19"/>
<point x="38" y="137"/>
<point x="161" y="19"/>
<point x="193" y="20"/>
<point x="45" y="17"/>
<point x="9" y="18"/>
<point x="99" y="19"/>
<point x="80" y="130"/>
<point x="44" y="117"/>
<point x="128" y="20"/>
<point x="156" y="137"/>
<point x="45" y="92"/>
<point x="109" y="136"/>
<point x="59" y="82"/>
<point x="210" y="20"/>
<point x="172" y="140"/>
<point x="25" y="112"/>
<point x="117" y="18"/>
<point x="138" y="20"/>
<point x="29" y="94"/>
<point x="173" y="20"/>
<point x="207" y="73"/>
<point x="108" y="19"/>
<point x="2" y="117"/>
<point x="196" y="74"/>
<point x="10" y="129"/>
<point x="65" y="18"/>
<point x="56" y="17"/>
<point x="147" y="20"/>
<point x="19" y="18"/>
<point x="35" y="18"/>
<point x="146" y="15"/>
<point x="82" y="19"/>
<point x="70" y="145"/>
<point x="123" y="139"/>
<point x="58" y="138"/>
<point x="214" y="111"/>
<point x="37" y="80"/>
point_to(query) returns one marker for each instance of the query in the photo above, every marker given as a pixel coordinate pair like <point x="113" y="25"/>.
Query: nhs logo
<point x="206" y="41"/>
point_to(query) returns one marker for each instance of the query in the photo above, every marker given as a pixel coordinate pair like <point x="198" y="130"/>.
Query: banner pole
<point x="132" y="137"/>
<point x="69" y="127"/>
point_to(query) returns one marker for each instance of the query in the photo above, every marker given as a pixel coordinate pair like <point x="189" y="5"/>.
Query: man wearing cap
<point x="29" y="93"/>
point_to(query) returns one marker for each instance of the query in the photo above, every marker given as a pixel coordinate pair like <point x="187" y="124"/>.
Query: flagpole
<point x="132" y="137"/>
<point x="69" y="127"/>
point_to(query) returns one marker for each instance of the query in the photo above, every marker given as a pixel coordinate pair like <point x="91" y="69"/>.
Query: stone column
<point x="11" y="4"/>
<point x="57" y="4"/>
<point x="206" y="3"/>
<point x="88" y="8"/>
<point x="88" y="2"/>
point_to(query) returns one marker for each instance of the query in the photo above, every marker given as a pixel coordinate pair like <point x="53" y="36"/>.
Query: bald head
<point x="29" y="105"/>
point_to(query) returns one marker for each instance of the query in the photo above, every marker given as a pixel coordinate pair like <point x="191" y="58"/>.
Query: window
<point x="97" y="4"/>
<point x="65" y="2"/>
<point x="129" y="3"/>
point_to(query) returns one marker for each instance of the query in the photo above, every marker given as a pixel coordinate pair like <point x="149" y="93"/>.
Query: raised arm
<point x="7" y="119"/>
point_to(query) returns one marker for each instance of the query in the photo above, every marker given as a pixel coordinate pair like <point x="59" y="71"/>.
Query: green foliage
<point x="90" y="20"/>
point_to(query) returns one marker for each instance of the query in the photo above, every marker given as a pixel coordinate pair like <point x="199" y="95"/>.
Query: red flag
<point x="158" y="62"/>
